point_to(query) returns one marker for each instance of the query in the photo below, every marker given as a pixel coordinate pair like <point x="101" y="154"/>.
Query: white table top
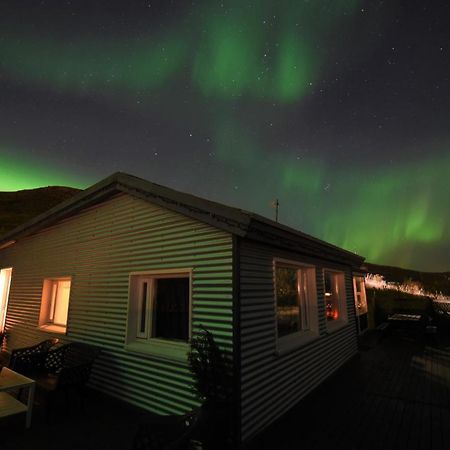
<point x="10" y="380"/>
<point x="405" y="317"/>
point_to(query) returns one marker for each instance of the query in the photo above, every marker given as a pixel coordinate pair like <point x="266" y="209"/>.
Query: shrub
<point x="211" y="369"/>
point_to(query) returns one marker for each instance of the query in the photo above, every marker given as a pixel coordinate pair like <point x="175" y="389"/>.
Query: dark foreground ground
<point x="396" y="395"/>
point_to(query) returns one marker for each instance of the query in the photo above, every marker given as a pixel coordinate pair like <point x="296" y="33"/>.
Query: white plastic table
<point x="11" y="381"/>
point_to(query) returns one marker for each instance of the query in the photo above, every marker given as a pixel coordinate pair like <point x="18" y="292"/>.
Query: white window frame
<point x="342" y="320"/>
<point x="143" y="342"/>
<point x="308" y="308"/>
<point x="48" y="305"/>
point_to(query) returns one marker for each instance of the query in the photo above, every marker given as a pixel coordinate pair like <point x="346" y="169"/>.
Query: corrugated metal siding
<point x="99" y="247"/>
<point x="271" y="384"/>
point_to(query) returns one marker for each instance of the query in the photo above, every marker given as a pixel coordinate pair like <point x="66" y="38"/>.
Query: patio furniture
<point x="170" y="432"/>
<point x="29" y="360"/>
<point x="67" y="368"/>
<point x="9" y="405"/>
<point x="441" y="313"/>
<point x="409" y="322"/>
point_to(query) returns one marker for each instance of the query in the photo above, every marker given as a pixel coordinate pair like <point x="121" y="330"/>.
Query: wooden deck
<point x="395" y="395"/>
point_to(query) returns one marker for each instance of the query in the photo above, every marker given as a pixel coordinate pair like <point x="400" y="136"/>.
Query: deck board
<point x="396" y="395"/>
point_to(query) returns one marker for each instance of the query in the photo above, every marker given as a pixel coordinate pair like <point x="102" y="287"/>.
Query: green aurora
<point x="23" y="172"/>
<point x="244" y="53"/>
<point x="373" y="213"/>
<point x="272" y="54"/>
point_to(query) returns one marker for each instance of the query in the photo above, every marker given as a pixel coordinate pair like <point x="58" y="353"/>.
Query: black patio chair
<point x="30" y="360"/>
<point x="67" y="368"/>
<point x="172" y="432"/>
<point x="441" y="317"/>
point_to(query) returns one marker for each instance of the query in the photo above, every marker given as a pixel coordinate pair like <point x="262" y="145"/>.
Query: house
<point x="137" y="268"/>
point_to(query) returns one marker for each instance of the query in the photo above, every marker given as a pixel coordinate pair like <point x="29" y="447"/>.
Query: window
<point x="335" y="296"/>
<point x="5" y="282"/>
<point x="55" y="304"/>
<point x="359" y="288"/>
<point x="159" y="308"/>
<point x="295" y="299"/>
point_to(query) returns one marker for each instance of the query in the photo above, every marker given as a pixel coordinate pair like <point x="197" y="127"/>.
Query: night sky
<point x="338" y="108"/>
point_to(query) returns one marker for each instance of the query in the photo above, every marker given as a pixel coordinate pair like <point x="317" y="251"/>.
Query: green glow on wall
<point x="22" y="172"/>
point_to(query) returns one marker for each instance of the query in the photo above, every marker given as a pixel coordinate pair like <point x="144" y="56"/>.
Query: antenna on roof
<point x="276" y="205"/>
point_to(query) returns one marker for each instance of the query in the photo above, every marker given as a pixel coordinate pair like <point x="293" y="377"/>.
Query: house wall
<point x="272" y="383"/>
<point x="99" y="247"/>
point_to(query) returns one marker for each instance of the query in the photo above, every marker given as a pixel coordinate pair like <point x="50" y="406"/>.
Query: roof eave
<point x="84" y="199"/>
<point x="222" y="217"/>
<point x="285" y="237"/>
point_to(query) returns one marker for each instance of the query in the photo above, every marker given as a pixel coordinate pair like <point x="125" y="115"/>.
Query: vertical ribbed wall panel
<point x="99" y="247"/>
<point x="272" y="383"/>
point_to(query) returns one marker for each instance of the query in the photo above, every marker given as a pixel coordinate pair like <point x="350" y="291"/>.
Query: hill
<point x="430" y="281"/>
<point x="20" y="206"/>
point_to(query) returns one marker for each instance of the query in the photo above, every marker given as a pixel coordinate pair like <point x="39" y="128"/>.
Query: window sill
<point x="288" y="344"/>
<point x="160" y="348"/>
<point x="53" y="329"/>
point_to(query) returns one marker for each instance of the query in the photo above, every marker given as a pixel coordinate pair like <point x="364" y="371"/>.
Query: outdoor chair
<point x="441" y="313"/>
<point x="171" y="432"/>
<point x="67" y="368"/>
<point x="30" y="360"/>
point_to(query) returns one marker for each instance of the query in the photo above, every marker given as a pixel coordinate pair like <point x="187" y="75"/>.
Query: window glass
<point x="5" y="282"/>
<point x="288" y="305"/>
<point x="360" y="295"/>
<point x="159" y="307"/>
<point x="171" y="308"/>
<point x="293" y="298"/>
<point x="333" y="294"/>
<point x="62" y="303"/>
<point x="143" y="310"/>
<point x="55" y="304"/>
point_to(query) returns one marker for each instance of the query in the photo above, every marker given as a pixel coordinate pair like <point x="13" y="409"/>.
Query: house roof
<point x="236" y="221"/>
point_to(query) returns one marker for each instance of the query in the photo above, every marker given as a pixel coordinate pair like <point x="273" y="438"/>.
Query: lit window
<point x="159" y="307"/>
<point x="55" y="304"/>
<point x="335" y="296"/>
<point x="360" y="295"/>
<point x="295" y="299"/>
<point x="5" y="282"/>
